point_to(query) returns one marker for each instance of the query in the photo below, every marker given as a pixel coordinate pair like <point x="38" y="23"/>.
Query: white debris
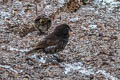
<point x="103" y="1"/>
<point x="92" y="26"/>
<point x="84" y="28"/>
<point x="1" y="22"/>
<point x="5" y="15"/>
<point x="74" y="19"/>
<point x="48" y="7"/>
<point x="41" y="60"/>
<point x="61" y="1"/>
<point x="17" y="5"/>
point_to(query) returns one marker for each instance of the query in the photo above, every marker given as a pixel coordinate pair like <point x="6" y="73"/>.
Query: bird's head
<point x="63" y="30"/>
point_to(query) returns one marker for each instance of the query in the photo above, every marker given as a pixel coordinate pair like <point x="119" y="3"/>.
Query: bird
<point x="42" y="23"/>
<point x="55" y="41"/>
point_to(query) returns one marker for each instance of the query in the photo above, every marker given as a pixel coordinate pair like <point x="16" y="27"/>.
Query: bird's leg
<point x="53" y="60"/>
<point x="62" y="57"/>
<point x="58" y="58"/>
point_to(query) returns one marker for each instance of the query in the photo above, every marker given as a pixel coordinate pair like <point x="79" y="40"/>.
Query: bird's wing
<point x="40" y="45"/>
<point x="51" y="42"/>
<point x="45" y="43"/>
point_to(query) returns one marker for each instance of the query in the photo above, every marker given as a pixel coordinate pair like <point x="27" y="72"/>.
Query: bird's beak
<point x="70" y="32"/>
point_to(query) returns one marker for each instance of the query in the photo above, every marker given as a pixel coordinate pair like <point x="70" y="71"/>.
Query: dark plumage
<point x="54" y="42"/>
<point x="42" y="23"/>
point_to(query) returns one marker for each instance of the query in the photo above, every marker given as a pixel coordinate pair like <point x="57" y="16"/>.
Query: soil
<point x="92" y="53"/>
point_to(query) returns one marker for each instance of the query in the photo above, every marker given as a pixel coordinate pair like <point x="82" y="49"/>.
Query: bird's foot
<point x="58" y="58"/>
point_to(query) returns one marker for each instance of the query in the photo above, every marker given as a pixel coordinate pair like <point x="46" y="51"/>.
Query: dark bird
<point x="54" y="42"/>
<point x="42" y="23"/>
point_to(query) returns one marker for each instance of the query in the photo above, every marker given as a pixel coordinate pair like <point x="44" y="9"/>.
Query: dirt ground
<point x="92" y="53"/>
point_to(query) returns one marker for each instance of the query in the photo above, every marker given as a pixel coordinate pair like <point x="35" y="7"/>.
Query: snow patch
<point x="107" y="75"/>
<point x="15" y="49"/>
<point x="8" y="67"/>
<point x="110" y="4"/>
<point x="41" y="59"/>
<point x="86" y="71"/>
<point x="79" y="67"/>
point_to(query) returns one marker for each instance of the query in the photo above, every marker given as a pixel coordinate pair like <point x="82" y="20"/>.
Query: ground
<point x="92" y="53"/>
